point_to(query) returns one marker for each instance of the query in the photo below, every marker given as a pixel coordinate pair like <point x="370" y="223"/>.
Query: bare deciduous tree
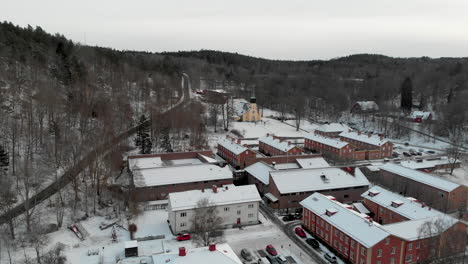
<point x="206" y="223"/>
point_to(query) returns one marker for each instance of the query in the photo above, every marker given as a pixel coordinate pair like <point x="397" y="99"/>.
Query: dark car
<point x="419" y="153"/>
<point x="313" y="243"/>
<point x="289" y="217"/>
<point x="272" y="259"/>
<point x="431" y="152"/>
<point x="395" y="155"/>
<point x="406" y="154"/>
<point x="330" y="257"/>
<point x="271" y="250"/>
<point x="183" y="237"/>
<point x="245" y="253"/>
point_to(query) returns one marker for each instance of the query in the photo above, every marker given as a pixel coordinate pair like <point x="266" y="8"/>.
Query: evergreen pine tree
<point x="407" y="94"/>
<point x="165" y="141"/>
<point x="4" y="158"/>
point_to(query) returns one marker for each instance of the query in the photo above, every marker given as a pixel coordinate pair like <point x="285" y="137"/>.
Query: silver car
<point x="245" y="253"/>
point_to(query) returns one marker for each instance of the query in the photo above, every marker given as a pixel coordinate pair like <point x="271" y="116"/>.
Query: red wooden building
<point x="374" y="146"/>
<point x="276" y="146"/>
<point x="329" y="146"/>
<point x="234" y="152"/>
<point x="332" y="129"/>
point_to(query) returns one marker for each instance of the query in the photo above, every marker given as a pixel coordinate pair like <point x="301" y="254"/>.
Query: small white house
<point x="237" y="205"/>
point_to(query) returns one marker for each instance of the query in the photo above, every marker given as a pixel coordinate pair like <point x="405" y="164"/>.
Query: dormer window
<point x="397" y="203"/>
<point x="331" y="211"/>
<point x="373" y="193"/>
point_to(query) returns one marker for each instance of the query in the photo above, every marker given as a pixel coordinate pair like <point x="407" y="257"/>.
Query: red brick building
<point x="329" y="146"/>
<point x="276" y="146"/>
<point x="375" y="146"/>
<point x="288" y="187"/>
<point x="435" y="191"/>
<point x="356" y="238"/>
<point x="233" y="152"/>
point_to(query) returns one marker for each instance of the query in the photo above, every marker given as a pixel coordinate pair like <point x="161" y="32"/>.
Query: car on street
<point x="281" y="260"/>
<point x="271" y="250"/>
<point x="183" y="237"/>
<point x="330" y="257"/>
<point x="300" y="232"/>
<point x="272" y="259"/>
<point x="430" y="152"/>
<point x="395" y="155"/>
<point x="406" y="154"/>
<point x="245" y="253"/>
<point x="312" y="242"/>
<point x="288" y="218"/>
<point x="263" y="261"/>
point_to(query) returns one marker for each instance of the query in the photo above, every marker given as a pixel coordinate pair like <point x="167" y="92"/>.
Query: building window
<point x="327" y="227"/>
<point x="347" y="240"/>
<point x="410" y="246"/>
<point x="409" y="258"/>
<point x="336" y="232"/>
<point x="250" y="215"/>
<point x="238" y="212"/>
<point x="341" y="236"/>
<point x="346" y="196"/>
<point x="183" y="224"/>
<point x="351" y="255"/>
<point x="326" y="237"/>
<point x="393" y="251"/>
<point x="183" y="214"/>
<point x="418" y="245"/>
<point x="363" y="251"/>
<point x="226" y="209"/>
<point x="387" y="241"/>
<point x="379" y="262"/>
<point x="379" y="253"/>
<point x="251" y="206"/>
<point x="352" y="243"/>
<point x="363" y="261"/>
<point x="392" y="260"/>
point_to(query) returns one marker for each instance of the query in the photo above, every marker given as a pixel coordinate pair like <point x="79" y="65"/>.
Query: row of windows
<point x="226" y="209"/>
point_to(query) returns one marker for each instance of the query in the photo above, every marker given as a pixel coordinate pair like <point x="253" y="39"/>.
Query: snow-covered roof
<point x="188" y="161"/>
<point x="311" y="163"/>
<point x="333" y="127"/>
<point x="287" y="166"/>
<point x="261" y="171"/>
<point x="208" y="159"/>
<point x="426" y="163"/>
<point x="180" y="174"/>
<point x="364" y="137"/>
<point x="368" y="105"/>
<point x="303" y="180"/>
<point x="361" y="208"/>
<point x="144" y="163"/>
<point x="276" y="143"/>
<point x="227" y="194"/>
<point x="131" y="244"/>
<point x="421" y="177"/>
<point x="348" y="222"/>
<point x="420" y="228"/>
<point x="336" y="143"/>
<point x="420" y="114"/>
<point x="408" y="208"/>
<point x="222" y="254"/>
<point x="232" y="146"/>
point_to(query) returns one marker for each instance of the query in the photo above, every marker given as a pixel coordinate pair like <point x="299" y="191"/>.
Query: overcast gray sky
<point x="293" y="29"/>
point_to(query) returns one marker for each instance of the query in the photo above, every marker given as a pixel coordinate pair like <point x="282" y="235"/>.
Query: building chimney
<point x="289" y="143"/>
<point x="233" y="140"/>
<point x="273" y="164"/>
<point x="215" y="189"/>
<point x="382" y="136"/>
<point x="238" y="141"/>
<point x="281" y="139"/>
<point x="369" y="134"/>
<point x="226" y="187"/>
<point x="202" y="190"/>
<point x="212" y="247"/>
<point x="182" y="251"/>
<point x="245" y="145"/>
<point x="359" y="133"/>
<point x="268" y="134"/>
<point x="227" y="136"/>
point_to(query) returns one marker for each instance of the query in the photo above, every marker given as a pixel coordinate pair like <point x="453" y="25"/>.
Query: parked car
<point x="312" y="242"/>
<point x="245" y="253"/>
<point x="406" y="154"/>
<point x="281" y="259"/>
<point x="271" y="250"/>
<point x="263" y="261"/>
<point x="183" y="237"/>
<point x="300" y="232"/>
<point x="395" y="155"/>
<point x="431" y="152"/>
<point x="330" y="257"/>
<point x="419" y="153"/>
<point x="272" y="259"/>
<point x="289" y="217"/>
<point x="298" y="216"/>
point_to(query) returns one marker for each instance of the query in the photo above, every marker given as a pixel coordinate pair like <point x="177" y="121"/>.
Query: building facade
<point x="331" y="130"/>
<point x="231" y="150"/>
<point x="275" y="146"/>
<point x="236" y="205"/>
<point x="374" y="146"/>
<point x="329" y="146"/>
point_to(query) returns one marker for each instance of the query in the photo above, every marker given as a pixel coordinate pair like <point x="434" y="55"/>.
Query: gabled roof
<point x="364" y="137"/>
<point x="222" y="254"/>
<point x="276" y="143"/>
<point x="311" y="163"/>
<point x="180" y="174"/>
<point x="144" y="163"/>
<point x="336" y="143"/>
<point x="228" y="194"/>
<point x="408" y="208"/>
<point x="304" y="180"/>
<point x="348" y="222"/>
<point x="427" y="163"/>
<point x="421" y="177"/>
<point x="368" y="105"/>
<point x="261" y="171"/>
<point x="420" y="228"/>
<point x="232" y="146"/>
<point x="333" y="127"/>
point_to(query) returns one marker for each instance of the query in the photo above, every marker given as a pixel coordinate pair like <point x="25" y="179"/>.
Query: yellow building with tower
<point x="250" y="112"/>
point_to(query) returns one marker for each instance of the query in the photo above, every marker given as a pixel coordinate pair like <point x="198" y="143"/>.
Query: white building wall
<point x="180" y="221"/>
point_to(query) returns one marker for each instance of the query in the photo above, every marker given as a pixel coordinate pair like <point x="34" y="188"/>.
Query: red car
<point x="271" y="250"/>
<point x="300" y="232"/>
<point x="183" y="237"/>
